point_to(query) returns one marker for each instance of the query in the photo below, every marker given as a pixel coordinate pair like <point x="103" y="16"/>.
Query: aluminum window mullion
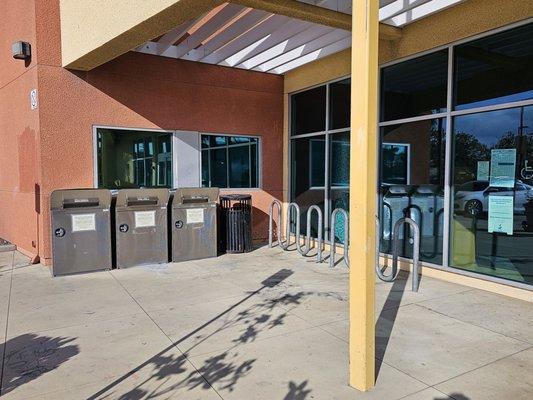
<point x="327" y="199"/>
<point x="446" y="245"/>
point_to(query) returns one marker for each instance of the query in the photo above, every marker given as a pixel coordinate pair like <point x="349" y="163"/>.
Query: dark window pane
<point x="495" y="69"/>
<point x="414" y="87"/>
<point x="308" y="111"/>
<point x="205" y="168"/>
<point x="339" y="110"/>
<point x="412" y="184"/>
<point x="239" y="167"/>
<point x="206" y="141"/>
<point x="217" y="141"/>
<point x="492" y="226"/>
<point x="130" y="159"/>
<point x="238" y="140"/>
<point x="307" y="177"/>
<point x="253" y="165"/>
<point x="219" y="172"/>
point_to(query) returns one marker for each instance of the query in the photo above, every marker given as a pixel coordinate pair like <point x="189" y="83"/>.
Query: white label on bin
<point x="144" y="219"/>
<point x="195" y="216"/>
<point x="83" y="222"/>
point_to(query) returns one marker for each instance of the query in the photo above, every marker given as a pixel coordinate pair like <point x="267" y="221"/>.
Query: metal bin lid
<point x="157" y="197"/>
<point x="195" y="196"/>
<point x="79" y="198"/>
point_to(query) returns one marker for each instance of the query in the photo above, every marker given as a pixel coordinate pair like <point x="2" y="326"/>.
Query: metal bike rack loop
<point x="284" y="244"/>
<point x="396" y="250"/>
<point x="307" y="247"/>
<point x="271" y="223"/>
<point x="332" y="237"/>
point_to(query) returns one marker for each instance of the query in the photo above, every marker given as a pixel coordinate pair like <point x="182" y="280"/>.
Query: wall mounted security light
<point x="21" y="50"/>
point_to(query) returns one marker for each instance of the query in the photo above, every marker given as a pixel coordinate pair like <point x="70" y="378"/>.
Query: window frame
<point x="259" y="165"/>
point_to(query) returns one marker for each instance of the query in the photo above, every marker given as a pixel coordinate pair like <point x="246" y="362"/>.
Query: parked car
<point x="473" y="197"/>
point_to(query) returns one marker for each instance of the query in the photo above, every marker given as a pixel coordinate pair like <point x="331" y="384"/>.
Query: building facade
<point x="272" y="118"/>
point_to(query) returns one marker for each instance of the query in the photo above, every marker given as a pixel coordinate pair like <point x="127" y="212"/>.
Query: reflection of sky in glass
<point x="489" y="127"/>
<point x="527" y="95"/>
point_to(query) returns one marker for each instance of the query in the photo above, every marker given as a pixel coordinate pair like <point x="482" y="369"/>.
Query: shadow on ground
<point x="222" y="371"/>
<point x="29" y="356"/>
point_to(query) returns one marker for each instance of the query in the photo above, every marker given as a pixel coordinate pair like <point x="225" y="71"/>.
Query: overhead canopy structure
<point x="235" y="35"/>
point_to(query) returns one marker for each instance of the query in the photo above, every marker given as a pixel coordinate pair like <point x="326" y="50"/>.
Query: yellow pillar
<point x="363" y="191"/>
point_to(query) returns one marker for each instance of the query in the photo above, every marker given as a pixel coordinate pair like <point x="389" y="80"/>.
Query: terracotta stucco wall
<point x="19" y="129"/>
<point x="143" y="91"/>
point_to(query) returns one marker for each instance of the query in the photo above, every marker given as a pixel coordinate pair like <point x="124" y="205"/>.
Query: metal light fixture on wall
<point x="21" y="50"/>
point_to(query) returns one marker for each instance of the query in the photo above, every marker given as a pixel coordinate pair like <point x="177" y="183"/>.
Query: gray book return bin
<point x="141" y="227"/>
<point x="81" y="230"/>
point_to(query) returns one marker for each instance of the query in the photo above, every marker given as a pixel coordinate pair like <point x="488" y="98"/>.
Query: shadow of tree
<point x="454" y="396"/>
<point x="297" y="392"/>
<point x="169" y="373"/>
<point x="29" y="356"/>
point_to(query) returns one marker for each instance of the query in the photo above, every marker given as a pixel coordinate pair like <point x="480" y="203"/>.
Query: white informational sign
<point x="83" y="222"/>
<point x="195" y="216"/>
<point x="144" y="219"/>
<point x="33" y="99"/>
<point x="501" y="215"/>
<point x="483" y="170"/>
<point x="503" y="168"/>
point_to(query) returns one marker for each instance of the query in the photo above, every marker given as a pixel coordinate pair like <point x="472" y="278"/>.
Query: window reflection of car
<point x="473" y="197"/>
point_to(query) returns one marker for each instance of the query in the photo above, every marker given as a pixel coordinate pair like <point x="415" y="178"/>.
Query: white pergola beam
<point x="230" y="33"/>
<point x="326" y="51"/>
<point x="285" y="45"/>
<point x="255" y="34"/>
<point x="421" y="11"/>
<point x="399" y="7"/>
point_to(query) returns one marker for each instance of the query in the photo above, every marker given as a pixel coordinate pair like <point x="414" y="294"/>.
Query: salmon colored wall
<point x="143" y="91"/>
<point x="19" y="129"/>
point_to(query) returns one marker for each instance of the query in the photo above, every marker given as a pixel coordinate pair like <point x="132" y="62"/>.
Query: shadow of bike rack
<point x="396" y="250"/>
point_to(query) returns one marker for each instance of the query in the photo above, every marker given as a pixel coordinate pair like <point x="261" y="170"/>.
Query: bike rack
<point x="284" y="244"/>
<point x="332" y="237"/>
<point x="396" y="250"/>
<point x="307" y="246"/>
<point x="271" y="223"/>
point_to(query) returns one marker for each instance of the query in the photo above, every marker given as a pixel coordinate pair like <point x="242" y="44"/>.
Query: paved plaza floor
<point x="265" y="325"/>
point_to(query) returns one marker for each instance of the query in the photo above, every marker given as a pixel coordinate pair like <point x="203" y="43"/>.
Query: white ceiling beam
<point x="231" y="32"/>
<point x="421" y="11"/>
<point x="318" y="44"/>
<point x="284" y="33"/>
<point x="287" y="44"/>
<point x="225" y="14"/>
<point x="249" y="38"/>
<point x="398" y="7"/>
<point x="326" y="51"/>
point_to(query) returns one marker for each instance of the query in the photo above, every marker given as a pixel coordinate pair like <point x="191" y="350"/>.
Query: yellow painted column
<point x="363" y="191"/>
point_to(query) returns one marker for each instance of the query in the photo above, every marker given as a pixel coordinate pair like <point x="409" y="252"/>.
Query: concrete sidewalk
<point x="265" y="325"/>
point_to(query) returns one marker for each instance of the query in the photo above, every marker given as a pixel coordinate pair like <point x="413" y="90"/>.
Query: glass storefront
<point x="456" y="129"/>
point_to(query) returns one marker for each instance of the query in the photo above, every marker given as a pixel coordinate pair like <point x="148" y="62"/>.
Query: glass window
<point x="132" y="159"/>
<point x="412" y="185"/>
<point x="339" y="104"/>
<point x="308" y="111"/>
<point x="339" y="178"/>
<point x="494" y="69"/>
<point x="229" y="161"/>
<point x="415" y="87"/>
<point x="308" y="163"/>
<point x="492" y="225"/>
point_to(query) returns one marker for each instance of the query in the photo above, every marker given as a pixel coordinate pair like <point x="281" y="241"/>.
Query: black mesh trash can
<point x="236" y="222"/>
